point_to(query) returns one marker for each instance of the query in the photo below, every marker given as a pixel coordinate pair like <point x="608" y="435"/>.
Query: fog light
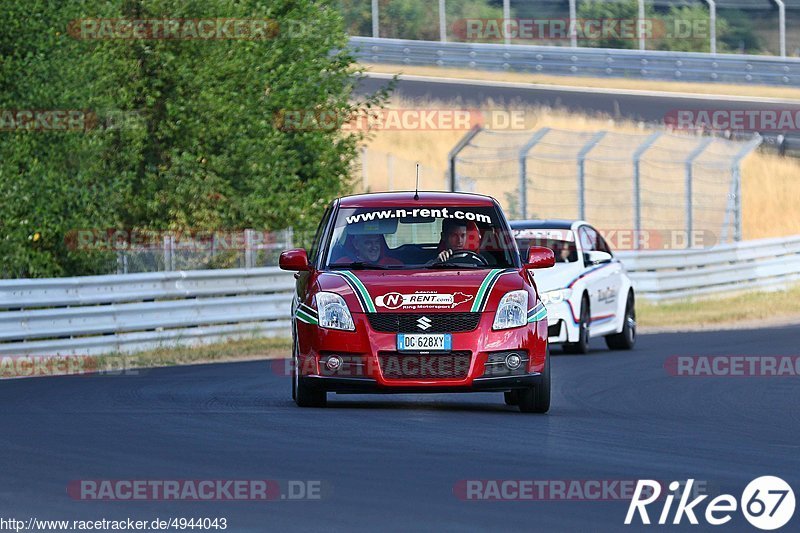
<point x="333" y="363"/>
<point x="513" y="361"/>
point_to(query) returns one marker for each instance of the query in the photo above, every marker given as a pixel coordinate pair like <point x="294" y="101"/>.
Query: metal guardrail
<point x="747" y="265"/>
<point x="133" y="312"/>
<point x="568" y="61"/>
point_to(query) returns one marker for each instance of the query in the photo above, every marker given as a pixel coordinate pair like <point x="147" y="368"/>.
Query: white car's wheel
<point x="625" y="339"/>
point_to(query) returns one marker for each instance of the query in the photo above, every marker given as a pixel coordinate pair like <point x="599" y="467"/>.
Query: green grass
<point x="743" y="307"/>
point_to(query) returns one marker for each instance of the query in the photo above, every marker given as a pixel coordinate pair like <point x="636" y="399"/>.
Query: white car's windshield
<point x="414" y="236"/>
<point x="561" y="241"/>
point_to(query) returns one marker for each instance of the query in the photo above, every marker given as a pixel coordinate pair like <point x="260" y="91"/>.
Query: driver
<point x="454" y="237"/>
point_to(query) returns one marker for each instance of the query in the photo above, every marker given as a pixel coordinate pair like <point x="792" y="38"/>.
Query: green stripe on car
<point x="479" y="304"/>
<point x="358" y="286"/>
<point x="305" y="317"/>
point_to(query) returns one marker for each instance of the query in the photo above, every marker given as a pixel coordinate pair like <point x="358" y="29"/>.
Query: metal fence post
<point x="168" y="246"/>
<point x="451" y="157"/>
<point x="641" y="23"/>
<point x="596" y="138"/>
<point x="735" y="198"/>
<point x="375" y="19"/>
<point x="712" y="22"/>
<point x="506" y="16"/>
<point x="249" y="252"/>
<point x="390" y="171"/>
<point x="523" y="170"/>
<point x="364" y="179"/>
<point x="442" y="21"/>
<point x="573" y="28"/>
<point x="637" y="193"/>
<point x="689" y="196"/>
<point x="782" y="24"/>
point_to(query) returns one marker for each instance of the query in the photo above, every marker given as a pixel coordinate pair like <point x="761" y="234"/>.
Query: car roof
<point x="542" y="224"/>
<point x="426" y="198"/>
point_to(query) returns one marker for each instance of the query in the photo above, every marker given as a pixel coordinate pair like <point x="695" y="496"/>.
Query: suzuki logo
<point x="424" y="323"/>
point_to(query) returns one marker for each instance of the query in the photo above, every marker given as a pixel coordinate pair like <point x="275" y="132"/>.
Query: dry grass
<point x="754" y="307"/>
<point x="601" y="83"/>
<point x="770" y="184"/>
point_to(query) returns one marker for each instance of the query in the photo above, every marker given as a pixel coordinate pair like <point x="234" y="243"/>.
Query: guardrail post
<point x="596" y="138"/>
<point x="523" y="170"/>
<point x="451" y="157"/>
<point x="637" y="192"/>
<point x="689" y="196"/>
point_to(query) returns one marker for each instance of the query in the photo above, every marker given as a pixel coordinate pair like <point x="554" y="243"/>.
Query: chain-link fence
<point x="637" y="182"/>
<point x="167" y="251"/>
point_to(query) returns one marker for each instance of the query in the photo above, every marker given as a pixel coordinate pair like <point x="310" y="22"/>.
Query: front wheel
<point x="307" y="396"/>
<point x="536" y="399"/>
<point x="625" y="339"/>
<point x="582" y="344"/>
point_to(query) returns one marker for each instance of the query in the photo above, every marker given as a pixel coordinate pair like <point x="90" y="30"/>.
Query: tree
<point x="204" y="149"/>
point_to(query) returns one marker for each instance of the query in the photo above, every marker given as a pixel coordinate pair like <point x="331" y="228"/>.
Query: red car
<point x="418" y="292"/>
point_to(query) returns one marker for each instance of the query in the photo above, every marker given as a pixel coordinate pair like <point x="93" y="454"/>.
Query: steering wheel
<point x="479" y="259"/>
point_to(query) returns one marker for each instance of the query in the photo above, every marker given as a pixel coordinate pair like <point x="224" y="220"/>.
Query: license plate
<point x="424" y="342"/>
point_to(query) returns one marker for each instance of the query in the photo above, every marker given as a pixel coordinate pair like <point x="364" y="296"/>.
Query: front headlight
<point x="557" y="296"/>
<point x="512" y="311"/>
<point x="333" y="312"/>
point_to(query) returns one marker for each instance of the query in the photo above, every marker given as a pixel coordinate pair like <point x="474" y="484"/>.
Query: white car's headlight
<point x="512" y="311"/>
<point x="557" y="296"/>
<point x="333" y="312"/>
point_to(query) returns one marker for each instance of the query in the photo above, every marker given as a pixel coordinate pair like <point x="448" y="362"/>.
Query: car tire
<point x="582" y="344"/>
<point x="625" y="339"/>
<point x="536" y="399"/>
<point x="511" y="397"/>
<point x="308" y="396"/>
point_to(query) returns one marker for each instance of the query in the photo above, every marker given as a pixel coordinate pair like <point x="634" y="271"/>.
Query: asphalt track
<point x="391" y="462"/>
<point x="647" y="107"/>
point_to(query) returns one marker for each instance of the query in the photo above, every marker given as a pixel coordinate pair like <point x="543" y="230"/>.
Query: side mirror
<point x="596" y="257"/>
<point x="540" y="257"/>
<point x="295" y="259"/>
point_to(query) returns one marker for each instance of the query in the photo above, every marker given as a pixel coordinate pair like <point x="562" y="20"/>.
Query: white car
<point x="588" y="292"/>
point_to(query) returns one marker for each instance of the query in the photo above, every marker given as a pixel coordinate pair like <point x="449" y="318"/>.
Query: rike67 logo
<point x="767" y="503"/>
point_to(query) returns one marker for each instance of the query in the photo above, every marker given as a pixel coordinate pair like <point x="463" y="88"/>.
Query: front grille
<point x="452" y="365"/>
<point x="439" y="322"/>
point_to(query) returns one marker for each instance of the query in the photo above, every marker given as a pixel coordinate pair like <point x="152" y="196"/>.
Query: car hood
<point x="429" y="291"/>
<point x="557" y="277"/>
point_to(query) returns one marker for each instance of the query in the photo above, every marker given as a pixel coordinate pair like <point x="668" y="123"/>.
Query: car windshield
<point x="414" y="237"/>
<point x="561" y="241"/>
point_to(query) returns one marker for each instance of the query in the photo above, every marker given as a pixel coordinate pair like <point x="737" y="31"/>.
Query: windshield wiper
<point x="360" y="265"/>
<point x="447" y="264"/>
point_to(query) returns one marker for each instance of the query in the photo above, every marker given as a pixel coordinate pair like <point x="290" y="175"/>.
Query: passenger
<point x="369" y="249"/>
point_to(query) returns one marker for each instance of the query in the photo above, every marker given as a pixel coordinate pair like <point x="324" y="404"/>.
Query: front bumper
<point x="474" y="353"/>
<point x="345" y="385"/>
<point x="561" y="322"/>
